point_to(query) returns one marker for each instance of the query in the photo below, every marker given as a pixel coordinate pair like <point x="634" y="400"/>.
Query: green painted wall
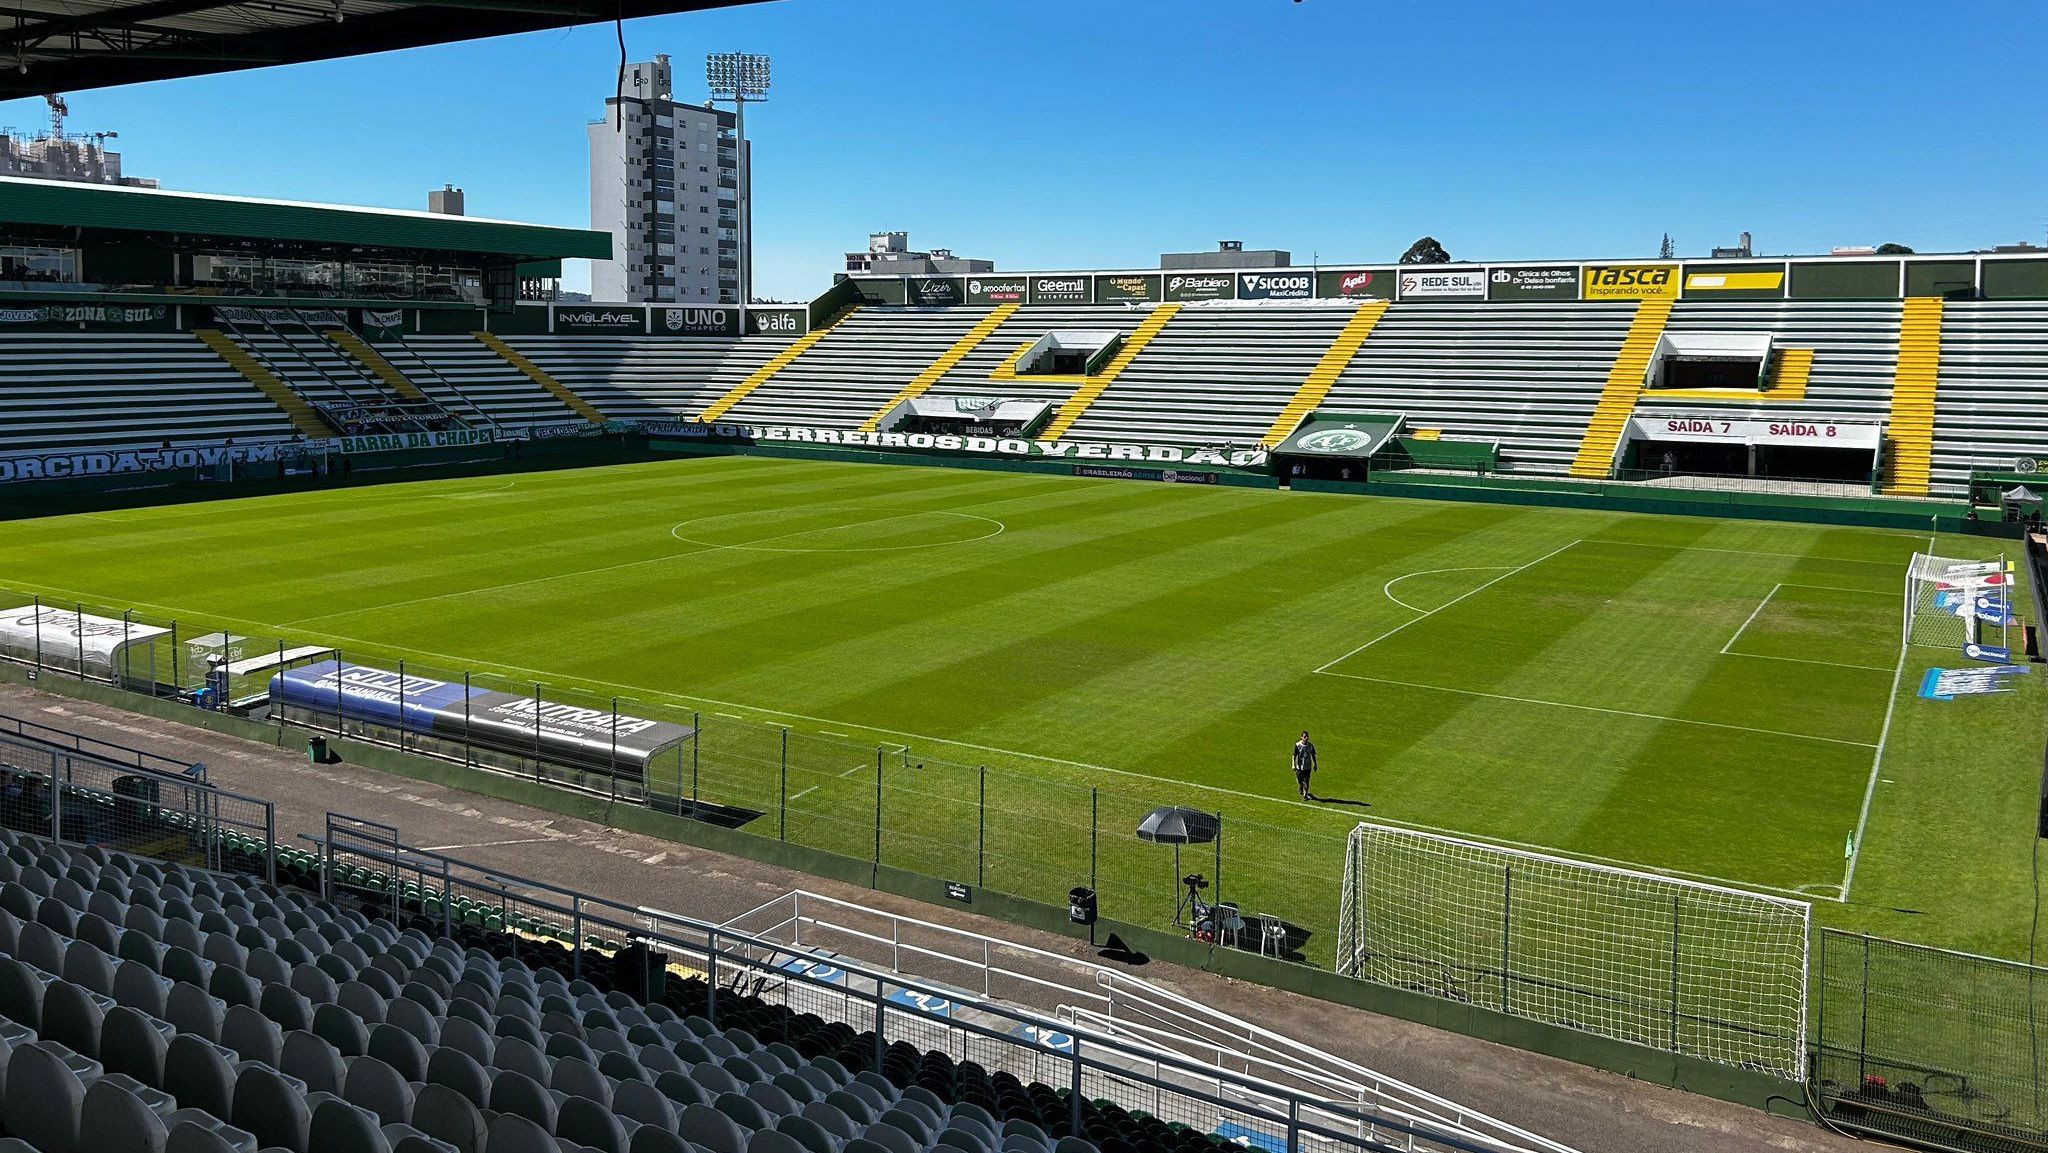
<point x="2015" y="280"/>
<point x="1846" y="280"/>
<point x="1956" y="279"/>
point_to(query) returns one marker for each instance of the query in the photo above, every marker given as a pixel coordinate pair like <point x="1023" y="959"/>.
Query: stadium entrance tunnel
<point x="1780" y="449"/>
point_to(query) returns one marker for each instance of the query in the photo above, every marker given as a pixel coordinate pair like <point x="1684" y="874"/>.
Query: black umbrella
<point x="1173" y="825"/>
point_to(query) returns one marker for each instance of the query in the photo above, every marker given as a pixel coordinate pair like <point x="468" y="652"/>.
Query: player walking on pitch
<point x="1304" y="764"/>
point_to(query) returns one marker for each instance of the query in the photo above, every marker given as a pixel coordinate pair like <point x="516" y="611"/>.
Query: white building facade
<point x="665" y="182"/>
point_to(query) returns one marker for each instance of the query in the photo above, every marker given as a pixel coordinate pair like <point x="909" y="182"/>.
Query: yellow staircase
<point x="1789" y="376"/>
<point x="539" y="376"/>
<point x="304" y="418"/>
<point x="1625" y="381"/>
<point x="944" y="364"/>
<point x="1910" y="431"/>
<point x="1324" y="375"/>
<point x="1092" y="387"/>
<point x="347" y="341"/>
<point x="781" y="360"/>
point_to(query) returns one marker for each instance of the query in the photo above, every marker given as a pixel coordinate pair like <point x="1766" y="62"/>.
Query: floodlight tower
<point x="740" y="77"/>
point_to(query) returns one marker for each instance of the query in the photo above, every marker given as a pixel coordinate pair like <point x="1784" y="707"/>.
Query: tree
<point x="1666" y="250"/>
<point x="1890" y="249"/>
<point x="1426" y="251"/>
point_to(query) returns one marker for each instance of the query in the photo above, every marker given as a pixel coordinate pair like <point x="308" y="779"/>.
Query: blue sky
<point x="1084" y="133"/>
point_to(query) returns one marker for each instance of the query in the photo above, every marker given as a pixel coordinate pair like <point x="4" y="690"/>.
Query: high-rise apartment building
<point x="665" y="182"/>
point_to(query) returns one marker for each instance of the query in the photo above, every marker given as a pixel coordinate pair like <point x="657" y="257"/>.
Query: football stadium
<point x="1491" y="706"/>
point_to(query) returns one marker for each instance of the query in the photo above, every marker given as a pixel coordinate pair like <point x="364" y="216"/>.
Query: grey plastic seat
<point x="137" y="987"/>
<point x="21" y="993"/>
<point x="199" y="1075"/>
<point x="807" y="1133"/>
<point x="776" y="1101"/>
<point x="743" y="1110"/>
<point x="581" y="1079"/>
<point x="360" y="999"/>
<point x="515" y="1092"/>
<point x="339" y="1127"/>
<point x="454" y="1069"/>
<point x="400" y="1050"/>
<point x="288" y="1009"/>
<point x="773" y="1141"/>
<point x="233" y="987"/>
<point x="966" y="1140"/>
<point x="587" y="1122"/>
<point x="72" y="1017"/>
<point x="251" y="1034"/>
<point x="512" y="1133"/>
<point x="449" y="1117"/>
<point x="86" y="964"/>
<point x="43" y="1098"/>
<point x="467" y="1036"/>
<point x="910" y="1122"/>
<point x="116" y="1119"/>
<point x="800" y="1091"/>
<point x="681" y="1089"/>
<point x="707" y="1126"/>
<point x="378" y="1087"/>
<point x="715" y="1079"/>
<point x="341" y="1029"/>
<point x="41" y="946"/>
<point x="856" y="1107"/>
<point x="893" y="1139"/>
<point x="648" y="1139"/>
<point x="134" y="1043"/>
<point x="642" y="1103"/>
<point x="312" y="1060"/>
<point x="422" y="1021"/>
<point x="831" y="1119"/>
<point x="512" y="1053"/>
<point x="269" y="1105"/>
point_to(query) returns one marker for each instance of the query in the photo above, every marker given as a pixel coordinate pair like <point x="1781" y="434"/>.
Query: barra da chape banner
<point x="451" y="710"/>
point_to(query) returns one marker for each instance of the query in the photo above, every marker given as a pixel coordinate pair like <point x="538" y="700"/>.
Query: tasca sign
<point x="613" y="320"/>
<point x="699" y="321"/>
<point x="1071" y="450"/>
<point x="1059" y="289"/>
<point x="1442" y="284"/>
<point x="995" y="289"/>
<point x="1200" y="285"/>
<point x="68" y="465"/>
<point x="935" y="291"/>
<point x="1276" y="285"/>
<point x="1555" y="282"/>
<point x="1631" y="282"/>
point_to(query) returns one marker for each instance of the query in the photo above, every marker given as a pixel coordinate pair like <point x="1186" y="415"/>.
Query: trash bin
<point x="316" y="750"/>
<point x="1081" y="906"/>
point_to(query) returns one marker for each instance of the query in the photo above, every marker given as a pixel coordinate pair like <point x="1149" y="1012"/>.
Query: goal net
<point x="1677" y="965"/>
<point x="1957" y="603"/>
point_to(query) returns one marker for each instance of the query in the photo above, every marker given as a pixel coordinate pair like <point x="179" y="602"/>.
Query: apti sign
<point x="1358" y="282"/>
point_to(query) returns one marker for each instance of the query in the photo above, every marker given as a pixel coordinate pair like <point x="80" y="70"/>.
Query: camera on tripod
<point x="1195" y="881"/>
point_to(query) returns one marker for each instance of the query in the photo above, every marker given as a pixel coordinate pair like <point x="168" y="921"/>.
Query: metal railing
<point x="370" y="860"/>
<point x="105" y="750"/>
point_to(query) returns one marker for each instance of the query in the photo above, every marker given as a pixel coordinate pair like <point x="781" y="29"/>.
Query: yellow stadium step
<point x="801" y="345"/>
<point x="1909" y="468"/>
<point x="539" y="376"/>
<point x="347" y="341"/>
<point x="304" y="418"/>
<point x="1789" y="376"/>
<point x="1625" y="382"/>
<point x="944" y="364"/>
<point x="1092" y="387"/>
<point x="1324" y="375"/>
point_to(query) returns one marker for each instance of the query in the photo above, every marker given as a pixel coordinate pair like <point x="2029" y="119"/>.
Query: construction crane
<point x="58" y="111"/>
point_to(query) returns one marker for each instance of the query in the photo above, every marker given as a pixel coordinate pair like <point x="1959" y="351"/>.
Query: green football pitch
<point x="1723" y="700"/>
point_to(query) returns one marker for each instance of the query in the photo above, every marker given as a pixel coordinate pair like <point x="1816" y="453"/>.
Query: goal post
<point x="1956" y="603"/>
<point x="1687" y="967"/>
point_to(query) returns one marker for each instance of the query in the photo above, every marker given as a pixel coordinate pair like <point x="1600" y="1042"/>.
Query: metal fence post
<point x="1094" y="823"/>
<point x="536" y="730"/>
<point x="696" y="746"/>
<point x="175" y="646"/>
<point x="38" y="601"/>
<point x="615" y="746"/>
<point x="79" y="627"/>
<point x="1674" y="974"/>
<point x="576" y="927"/>
<point x="56" y="802"/>
<point x="881" y="1038"/>
<point x="981" y="833"/>
<point x="878" y="810"/>
<point x="270" y="843"/>
<point x="401" y="704"/>
<point x="1216" y="894"/>
<point x="447" y="905"/>
<point x="1293" y="1123"/>
<point x="337" y="690"/>
<point x="468" y="756"/>
<point x="782" y="798"/>
<point x="1507" y="931"/>
<point x="1074" y="1094"/>
<point x="711" y="977"/>
<point x="121" y="675"/>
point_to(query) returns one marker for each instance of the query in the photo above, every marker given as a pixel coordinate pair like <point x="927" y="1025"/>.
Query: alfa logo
<point x="1335" y="441"/>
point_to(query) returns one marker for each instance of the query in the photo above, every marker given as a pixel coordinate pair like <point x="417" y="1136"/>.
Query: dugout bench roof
<point x="71" y="45"/>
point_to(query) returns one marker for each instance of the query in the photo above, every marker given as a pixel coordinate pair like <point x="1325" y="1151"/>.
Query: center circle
<point x="835" y="529"/>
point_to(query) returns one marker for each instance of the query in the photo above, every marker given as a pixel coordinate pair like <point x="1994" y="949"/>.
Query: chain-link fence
<point x="1931" y="1046"/>
<point x="82" y="798"/>
<point x="1003" y="827"/>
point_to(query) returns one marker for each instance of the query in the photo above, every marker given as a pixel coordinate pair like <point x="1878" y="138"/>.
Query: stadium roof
<point x="158" y="211"/>
<point x="69" y="45"/>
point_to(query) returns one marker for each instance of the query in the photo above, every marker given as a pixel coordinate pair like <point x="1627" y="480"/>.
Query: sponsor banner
<point x="404" y="441"/>
<point x="109" y="314"/>
<point x="310" y="317"/>
<point x="69" y="464"/>
<point x="1349" y="439"/>
<point x="1816" y="434"/>
<point x="61" y="635"/>
<point x="1071" y="289"/>
<point x="383" y="323"/>
<point x="948" y="443"/>
<point x="1359" y="282"/>
<point x="1553" y="282"/>
<point x="996" y="289"/>
<point x="567" y="733"/>
<point x="1166" y="475"/>
<point x="598" y="320"/>
<point x="1948" y="684"/>
<point x="1126" y="289"/>
<point x="700" y="320"/>
<point x="1299" y="285"/>
<point x="1200" y="285"/>
<point x="935" y="291"/>
<point x="1437" y="283"/>
<point x="1990" y="654"/>
<point x="1630" y="282"/>
<point x="778" y="321"/>
<point x="1771" y="282"/>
